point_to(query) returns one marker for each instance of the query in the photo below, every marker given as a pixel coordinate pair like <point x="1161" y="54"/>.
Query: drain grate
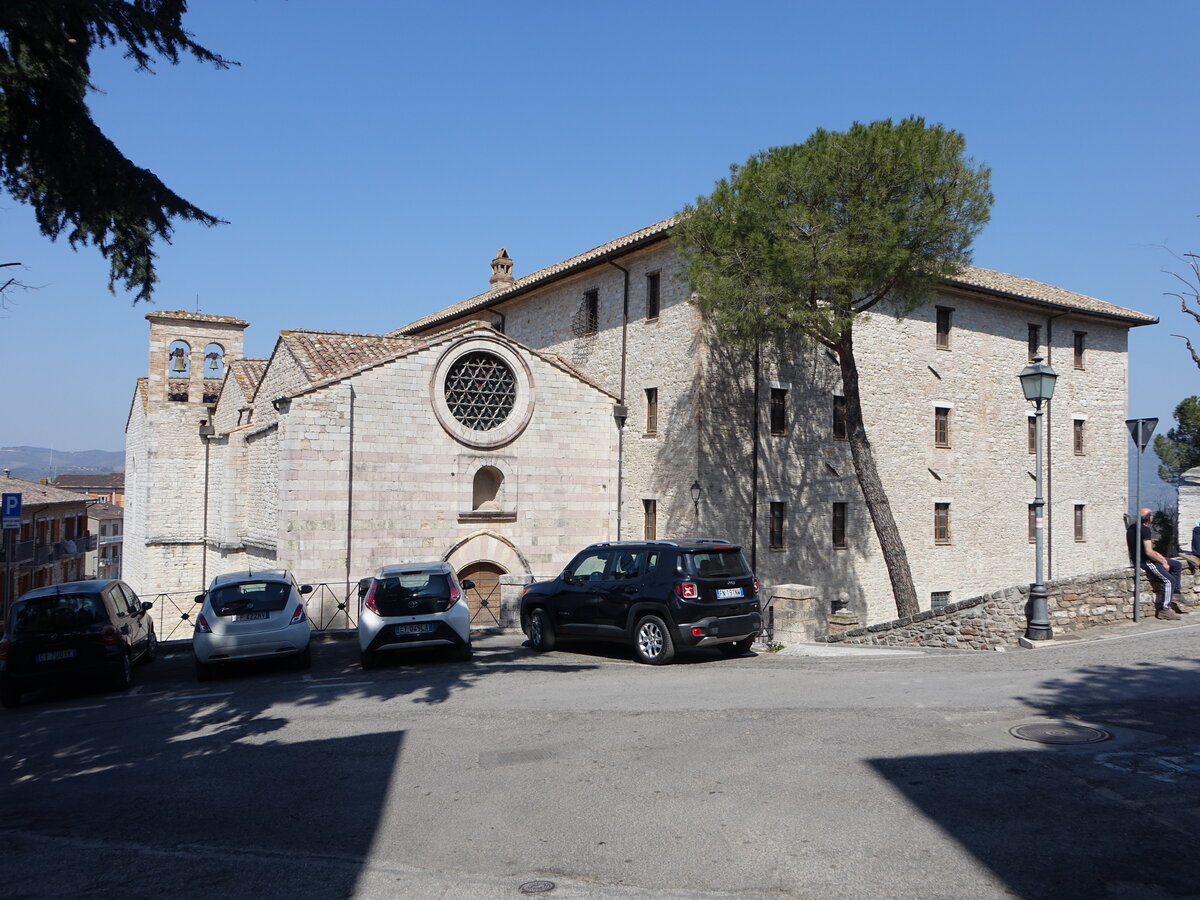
<point x="536" y="887"/>
<point x="1059" y="733"/>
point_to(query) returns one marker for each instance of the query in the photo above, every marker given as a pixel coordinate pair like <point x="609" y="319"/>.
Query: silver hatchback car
<point x="251" y="615"/>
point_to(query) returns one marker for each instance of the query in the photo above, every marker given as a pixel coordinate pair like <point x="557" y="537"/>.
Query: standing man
<point x="1154" y="564"/>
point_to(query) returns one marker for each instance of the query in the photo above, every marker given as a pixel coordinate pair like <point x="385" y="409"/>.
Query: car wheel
<point x="738" y="648"/>
<point x="10" y="696"/>
<point x="304" y="658"/>
<point x="204" y="671"/>
<point x="367" y="659"/>
<point x="652" y="641"/>
<point x="151" y="653"/>
<point x="463" y="652"/>
<point x="541" y="632"/>
<point x="123" y="677"/>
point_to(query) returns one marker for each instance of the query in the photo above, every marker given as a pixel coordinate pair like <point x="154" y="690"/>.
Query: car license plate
<point x="729" y="593"/>
<point x="419" y="628"/>
<point x="250" y="617"/>
<point x="54" y="655"/>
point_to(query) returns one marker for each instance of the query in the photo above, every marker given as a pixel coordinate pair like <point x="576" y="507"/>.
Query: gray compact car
<point x="251" y="615"/>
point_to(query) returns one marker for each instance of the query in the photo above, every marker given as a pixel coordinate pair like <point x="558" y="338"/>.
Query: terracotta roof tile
<point x="969" y="277"/>
<point x="249" y="373"/>
<point x="481" y="301"/>
<point x="1039" y="292"/>
<point x="107" y="481"/>
<point x="34" y="494"/>
<point x="328" y="354"/>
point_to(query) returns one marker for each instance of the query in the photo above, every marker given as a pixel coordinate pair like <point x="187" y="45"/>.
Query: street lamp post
<point x="1037" y="381"/>
<point x="1140" y="430"/>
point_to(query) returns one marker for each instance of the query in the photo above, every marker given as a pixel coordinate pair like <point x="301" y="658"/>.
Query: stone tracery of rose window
<point x="480" y="391"/>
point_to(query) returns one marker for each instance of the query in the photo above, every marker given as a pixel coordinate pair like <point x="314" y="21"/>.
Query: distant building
<point x="52" y="543"/>
<point x="106" y="523"/>
<point x="106" y="486"/>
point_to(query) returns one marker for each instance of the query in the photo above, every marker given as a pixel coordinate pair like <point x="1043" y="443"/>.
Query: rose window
<point x="480" y="391"/>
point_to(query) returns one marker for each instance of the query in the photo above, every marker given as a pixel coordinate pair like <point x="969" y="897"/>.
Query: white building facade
<point x="587" y="402"/>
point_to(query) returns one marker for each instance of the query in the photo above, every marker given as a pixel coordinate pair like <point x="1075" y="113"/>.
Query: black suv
<point x="655" y="595"/>
<point x="74" y="633"/>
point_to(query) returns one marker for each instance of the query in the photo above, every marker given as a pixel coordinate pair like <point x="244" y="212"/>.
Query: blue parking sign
<point x="10" y="510"/>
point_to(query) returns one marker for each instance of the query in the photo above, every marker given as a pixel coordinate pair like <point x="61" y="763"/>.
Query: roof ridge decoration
<point x="1014" y="286"/>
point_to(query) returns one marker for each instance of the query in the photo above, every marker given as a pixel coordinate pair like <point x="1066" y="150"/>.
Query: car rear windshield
<point x="726" y="562"/>
<point x="261" y="596"/>
<point x="60" y="612"/>
<point x="408" y="585"/>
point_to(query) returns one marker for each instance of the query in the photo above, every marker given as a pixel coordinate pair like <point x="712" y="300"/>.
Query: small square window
<point x="1080" y="338"/>
<point x="942" y="341"/>
<point x="651" y="410"/>
<point x="1080" y="535"/>
<point x="839" y="418"/>
<point x="652" y="295"/>
<point x="941" y="523"/>
<point x="941" y="426"/>
<point x="939" y="599"/>
<point x="779" y="411"/>
<point x="650" y="512"/>
<point x="777" y="516"/>
<point x="838" y="526"/>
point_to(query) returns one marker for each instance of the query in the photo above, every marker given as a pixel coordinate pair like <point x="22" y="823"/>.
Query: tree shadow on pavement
<point x="1110" y="819"/>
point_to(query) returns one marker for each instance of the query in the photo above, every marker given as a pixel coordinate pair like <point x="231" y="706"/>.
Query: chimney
<point x="502" y="276"/>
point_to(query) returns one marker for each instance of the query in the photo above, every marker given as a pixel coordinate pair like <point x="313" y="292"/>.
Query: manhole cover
<point x="536" y="887"/>
<point x="1059" y="733"/>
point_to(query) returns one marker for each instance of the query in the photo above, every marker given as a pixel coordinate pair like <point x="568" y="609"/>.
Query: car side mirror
<point x="147" y="606"/>
<point x="306" y="588"/>
<point x="199" y="598"/>
<point x="364" y="585"/>
<point x="468" y="584"/>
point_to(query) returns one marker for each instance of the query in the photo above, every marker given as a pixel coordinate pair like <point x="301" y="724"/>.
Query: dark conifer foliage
<point x="56" y="159"/>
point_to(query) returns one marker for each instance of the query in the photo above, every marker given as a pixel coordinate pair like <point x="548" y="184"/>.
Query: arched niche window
<point x="214" y="361"/>
<point x="179" y="360"/>
<point x="485" y="491"/>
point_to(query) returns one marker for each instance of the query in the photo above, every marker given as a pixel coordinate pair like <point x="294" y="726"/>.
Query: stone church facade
<point x="587" y="401"/>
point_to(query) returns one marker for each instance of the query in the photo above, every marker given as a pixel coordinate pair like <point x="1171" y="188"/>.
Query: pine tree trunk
<point x="890" y="542"/>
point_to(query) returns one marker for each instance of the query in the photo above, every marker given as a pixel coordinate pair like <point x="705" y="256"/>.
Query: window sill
<point x="488" y="515"/>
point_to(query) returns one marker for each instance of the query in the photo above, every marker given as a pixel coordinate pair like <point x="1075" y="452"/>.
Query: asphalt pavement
<point x="816" y="771"/>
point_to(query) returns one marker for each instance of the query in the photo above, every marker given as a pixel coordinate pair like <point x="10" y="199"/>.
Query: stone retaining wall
<point x="997" y="620"/>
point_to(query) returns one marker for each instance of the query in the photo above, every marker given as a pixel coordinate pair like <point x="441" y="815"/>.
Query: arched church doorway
<point x="483" y="600"/>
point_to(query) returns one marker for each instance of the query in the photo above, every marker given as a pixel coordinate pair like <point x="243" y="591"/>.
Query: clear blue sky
<point x="372" y="156"/>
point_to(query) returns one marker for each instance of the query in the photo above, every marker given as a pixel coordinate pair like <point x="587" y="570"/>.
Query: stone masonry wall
<point x="997" y="620"/>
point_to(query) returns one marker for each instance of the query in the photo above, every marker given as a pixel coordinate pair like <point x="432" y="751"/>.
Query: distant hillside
<point x="35" y="463"/>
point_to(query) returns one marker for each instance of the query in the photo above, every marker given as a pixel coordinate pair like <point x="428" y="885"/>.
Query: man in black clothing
<point x="1158" y="567"/>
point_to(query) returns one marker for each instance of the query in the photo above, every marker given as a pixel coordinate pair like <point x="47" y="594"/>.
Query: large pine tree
<point x="802" y="240"/>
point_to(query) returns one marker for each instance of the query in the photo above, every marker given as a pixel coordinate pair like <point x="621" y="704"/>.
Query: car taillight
<point x="5" y="643"/>
<point x="369" y="601"/>
<point x="756" y="585"/>
<point x="298" y="616"/>
<point x="202" y="625"/>
<point x="455" y="593"/>
<point x="687" y="590"/>
<point x="109" y="634"/>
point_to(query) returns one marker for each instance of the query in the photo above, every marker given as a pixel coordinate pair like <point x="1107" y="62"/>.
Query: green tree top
<point x="806" y="237"/>
<point x="54" y="157"/>
<point x="1179" y="449"/>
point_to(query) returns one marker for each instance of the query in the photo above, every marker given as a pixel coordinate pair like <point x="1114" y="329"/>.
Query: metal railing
<point x="329" y="608"/>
